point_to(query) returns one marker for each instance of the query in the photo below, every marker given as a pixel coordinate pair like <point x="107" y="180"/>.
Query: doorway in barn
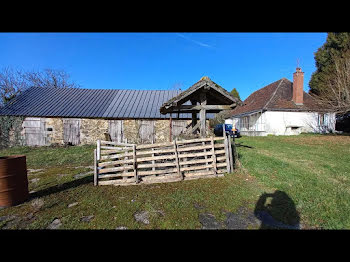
<point x="115" y="129"/>
<point x="71" y="131"/>
<point x="146" y="131"/>
<point x="178" y="127"/>
<point x="34" y="131"/>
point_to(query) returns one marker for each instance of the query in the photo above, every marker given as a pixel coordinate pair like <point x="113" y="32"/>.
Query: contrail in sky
<point x="194" y="41"/>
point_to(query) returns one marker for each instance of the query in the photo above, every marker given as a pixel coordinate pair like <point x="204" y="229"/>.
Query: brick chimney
<point x="298" y="86"/>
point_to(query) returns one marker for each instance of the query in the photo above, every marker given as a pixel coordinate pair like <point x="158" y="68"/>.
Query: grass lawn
<point x="311" y="171"/>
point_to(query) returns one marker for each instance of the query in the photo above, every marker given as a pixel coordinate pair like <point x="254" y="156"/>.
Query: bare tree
<point x="11" y="84"/>
<point x="49" y="78"/>
<point x="336" y="97"/>
<point x="12" y="81"/>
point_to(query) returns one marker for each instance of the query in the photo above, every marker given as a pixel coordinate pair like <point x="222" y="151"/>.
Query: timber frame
<point x="205" y="96"/>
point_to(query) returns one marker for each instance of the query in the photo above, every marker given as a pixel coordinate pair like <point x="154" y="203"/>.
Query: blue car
<point x="231" y="131"/>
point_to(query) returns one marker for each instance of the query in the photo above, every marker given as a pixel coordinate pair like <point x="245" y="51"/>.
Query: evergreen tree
<point x="235" y="93"/>
<point x="337" y="46"/>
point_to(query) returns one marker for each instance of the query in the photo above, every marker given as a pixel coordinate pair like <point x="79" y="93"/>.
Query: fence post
<point x="235" y="155"/>
<point x="95" y="168"/>
<point x="98" y="150"/>
<point x="226" y="151"/>
<point x="214" y="157"/>
<point x="134" y="164"/>
<point x="230" y="153"/>
<point x="177" y="160"/>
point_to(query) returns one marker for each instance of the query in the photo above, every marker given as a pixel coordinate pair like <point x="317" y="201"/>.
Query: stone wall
<point x="130" y="130"/>
<point x="92" y="130"/>
<point x="162" y="130"/>
<point x="54" y="130"/>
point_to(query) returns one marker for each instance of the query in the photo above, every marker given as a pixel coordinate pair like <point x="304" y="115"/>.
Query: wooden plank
<point x="167" y="179"/>
<point x="209" y="175"/>
<point x="116" y="148"/>
<point x="113" y="163"/>
<point x="98" y="150"/>
<point x="177" y="160"/>
<point x="124" y="175"/>
<point x="197" y="161"/>
<point x="235" y="155"/>
<point x="213" y="157"/>
<point x="116" y="156"/>
<point x="134" y="164"/>
<point x="115" y="151"/>
<point x="197" y="168"/>
<point x="156" y="165"/>
<point x="221" y="165"/>
<point x="197" y="174"/>
<point x="184" y="149"/>
<point x="227" y="153"/>
<point x="219" y="145"/>
<point x="143" y="159"/>
<point x="221" y="158"/>
<point x="103" y="142"/>
<point x="230" y="153"/>
<point x="95" y="169"/>
<point x="157" y="172"/>
<point x="153" y="161"/>
<point x="154" y="145"/>
<point x="181" y="142"/>
<point x="115" y="169"/>
<point x="171" y="150"/>
<point x="201" y="154"/>
<point x="117" y="182"/>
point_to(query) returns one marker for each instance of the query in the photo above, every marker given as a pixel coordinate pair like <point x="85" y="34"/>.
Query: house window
<point x="321" y="119"/>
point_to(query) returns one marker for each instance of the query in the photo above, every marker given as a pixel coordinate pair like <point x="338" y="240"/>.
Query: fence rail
<point x="127" y="164"/>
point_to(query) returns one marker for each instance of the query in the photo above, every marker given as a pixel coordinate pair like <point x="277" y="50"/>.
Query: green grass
<point x="311" y="169"/>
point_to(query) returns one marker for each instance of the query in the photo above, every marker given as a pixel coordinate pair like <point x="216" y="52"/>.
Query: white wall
<point x="284" y="123"/>
<point x="294" y="123"/>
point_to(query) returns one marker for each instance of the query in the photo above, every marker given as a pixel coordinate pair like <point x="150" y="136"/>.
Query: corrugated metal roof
<point x="91" y="103"/>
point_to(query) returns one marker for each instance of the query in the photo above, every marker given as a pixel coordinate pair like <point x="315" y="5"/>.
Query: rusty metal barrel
<point x="13" y="180"/>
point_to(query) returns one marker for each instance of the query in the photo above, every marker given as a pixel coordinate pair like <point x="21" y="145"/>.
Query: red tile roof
<point x="276" y="96"/>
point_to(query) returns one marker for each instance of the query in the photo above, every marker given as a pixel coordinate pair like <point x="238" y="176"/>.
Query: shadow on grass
<point x="277" y="211"/>
<point x="241" y="145"/>
<point x="62" y="187"/>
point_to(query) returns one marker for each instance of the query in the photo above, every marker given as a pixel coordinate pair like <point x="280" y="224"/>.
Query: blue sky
<point x="245" y="61"/>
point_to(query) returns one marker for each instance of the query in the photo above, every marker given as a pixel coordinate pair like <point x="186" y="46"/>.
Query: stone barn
<point x="81" y="116"/>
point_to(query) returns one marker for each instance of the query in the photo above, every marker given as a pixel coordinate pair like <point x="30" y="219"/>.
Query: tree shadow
<point x="61" y="187"/>
<point x="277" y="211"/>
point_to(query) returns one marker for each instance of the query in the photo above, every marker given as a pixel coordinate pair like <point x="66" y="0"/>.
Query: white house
<point x="282" y="108"/>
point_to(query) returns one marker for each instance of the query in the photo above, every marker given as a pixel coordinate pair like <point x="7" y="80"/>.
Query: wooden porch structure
<point x="203" y="97"/>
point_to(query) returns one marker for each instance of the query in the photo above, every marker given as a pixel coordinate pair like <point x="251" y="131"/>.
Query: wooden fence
<point x="127" y="164"/>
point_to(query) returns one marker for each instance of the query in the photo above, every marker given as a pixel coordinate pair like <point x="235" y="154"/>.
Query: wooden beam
<point x="194" y="117"/>
<point x="177" y="161"/>
<point x="202" y="113"/>
<point x="206" y="107"/>
<point x="170" y="127"/>
<point x="196" y="108"/>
